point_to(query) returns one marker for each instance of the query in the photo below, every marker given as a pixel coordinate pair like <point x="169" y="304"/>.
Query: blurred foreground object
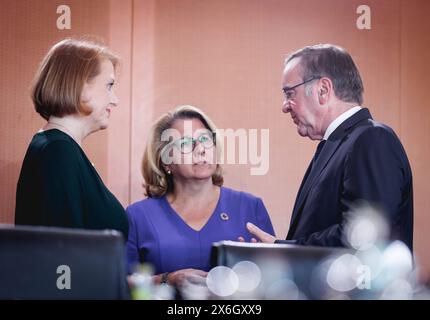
<point x="373" y="267"/>
<point x="60" y="263"/>
<point x="143" y="288"/>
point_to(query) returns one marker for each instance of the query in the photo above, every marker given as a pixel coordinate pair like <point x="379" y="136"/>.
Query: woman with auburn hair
<point x="187" y="208"/>
<point x="58" y="185"/>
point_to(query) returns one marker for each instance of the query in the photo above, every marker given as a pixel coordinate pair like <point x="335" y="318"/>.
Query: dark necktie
<point x="311" y="165"/>
<point x="319" y="149"/>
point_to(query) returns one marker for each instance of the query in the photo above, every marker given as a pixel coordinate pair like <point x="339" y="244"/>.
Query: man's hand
<point x="242" y="239"/>
<point x="260" y="234"/>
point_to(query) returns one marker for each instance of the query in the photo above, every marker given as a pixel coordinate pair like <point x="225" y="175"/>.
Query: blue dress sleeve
<point x="263" y="219"/>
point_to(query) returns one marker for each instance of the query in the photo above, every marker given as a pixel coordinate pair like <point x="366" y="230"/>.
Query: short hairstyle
<point x="334" y="62"/>
<point x="68" y="65"/>
<point x="157" y="181"/>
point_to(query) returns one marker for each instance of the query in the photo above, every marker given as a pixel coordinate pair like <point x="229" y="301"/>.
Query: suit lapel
<point x="330" y="148"/>
<point x="305" y="178"/>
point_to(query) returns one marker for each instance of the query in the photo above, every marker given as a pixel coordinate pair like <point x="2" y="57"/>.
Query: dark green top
<point x="58" y="186"/>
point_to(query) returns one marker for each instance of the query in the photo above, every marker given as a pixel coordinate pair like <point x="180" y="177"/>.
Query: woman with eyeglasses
<point x="187" y="208"/>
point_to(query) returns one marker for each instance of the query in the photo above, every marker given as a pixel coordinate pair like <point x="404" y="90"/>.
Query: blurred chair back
<point x="59" y="263"/>
<point x="279" y="263"/>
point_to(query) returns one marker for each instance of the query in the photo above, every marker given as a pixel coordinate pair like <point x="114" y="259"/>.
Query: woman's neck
<point x="70" y="125"/>
<point x="194" y="192"/>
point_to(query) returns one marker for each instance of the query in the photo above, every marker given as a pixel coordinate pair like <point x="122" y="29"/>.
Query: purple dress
<point x="159" y="236"/>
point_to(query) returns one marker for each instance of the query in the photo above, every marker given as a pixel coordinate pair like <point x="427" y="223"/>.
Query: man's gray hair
<point x="334" y="62"/>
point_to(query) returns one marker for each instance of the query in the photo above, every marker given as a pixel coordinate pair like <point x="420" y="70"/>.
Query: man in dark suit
<point x="357" y="158"/>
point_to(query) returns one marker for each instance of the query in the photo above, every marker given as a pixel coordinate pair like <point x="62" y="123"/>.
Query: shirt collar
<point x="338" y="121"/>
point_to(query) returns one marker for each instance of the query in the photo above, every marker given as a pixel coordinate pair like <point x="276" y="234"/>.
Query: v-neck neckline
<point x="183" y="222"/>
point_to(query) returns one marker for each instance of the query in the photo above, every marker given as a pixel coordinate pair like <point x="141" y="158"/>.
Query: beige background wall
<point x="226" y="57"/>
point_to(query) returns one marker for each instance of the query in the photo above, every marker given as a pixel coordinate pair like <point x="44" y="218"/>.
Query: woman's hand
<point x="178" y="277"/>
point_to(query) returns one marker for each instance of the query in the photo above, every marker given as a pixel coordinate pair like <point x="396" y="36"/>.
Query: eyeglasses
<point x="289" y="92"/>
<point x="188" y="144"/>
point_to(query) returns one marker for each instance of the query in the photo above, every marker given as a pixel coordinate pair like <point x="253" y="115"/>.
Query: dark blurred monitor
<point x="38" y="262"/>
<point x="279" y="262"/>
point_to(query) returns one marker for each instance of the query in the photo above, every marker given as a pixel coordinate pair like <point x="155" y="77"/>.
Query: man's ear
<point x="325" y="90"/>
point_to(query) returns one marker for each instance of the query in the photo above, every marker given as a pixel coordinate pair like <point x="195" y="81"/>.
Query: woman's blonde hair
<point x="157" y="181"/>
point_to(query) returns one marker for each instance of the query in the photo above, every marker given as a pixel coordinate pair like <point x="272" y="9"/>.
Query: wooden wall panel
<point x="415" y="114"/>
<point x="118" y="142"/>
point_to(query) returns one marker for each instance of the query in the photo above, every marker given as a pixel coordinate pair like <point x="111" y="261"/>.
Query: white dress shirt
<point x="338" y="121"/>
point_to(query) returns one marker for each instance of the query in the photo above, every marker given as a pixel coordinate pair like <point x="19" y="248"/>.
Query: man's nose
<point x="286" y="106"/>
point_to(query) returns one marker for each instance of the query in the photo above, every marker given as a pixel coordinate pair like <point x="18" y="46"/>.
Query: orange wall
<point x="226" y="57"/>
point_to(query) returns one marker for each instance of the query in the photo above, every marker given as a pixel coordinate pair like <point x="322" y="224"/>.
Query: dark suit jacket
<point x="362" y="159"/>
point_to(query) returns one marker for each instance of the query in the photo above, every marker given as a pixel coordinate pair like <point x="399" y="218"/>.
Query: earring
<point x="169" y="172"/>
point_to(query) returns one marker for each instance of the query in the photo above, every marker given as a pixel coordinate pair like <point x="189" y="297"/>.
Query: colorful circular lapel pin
<point x="224" y="216"/>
